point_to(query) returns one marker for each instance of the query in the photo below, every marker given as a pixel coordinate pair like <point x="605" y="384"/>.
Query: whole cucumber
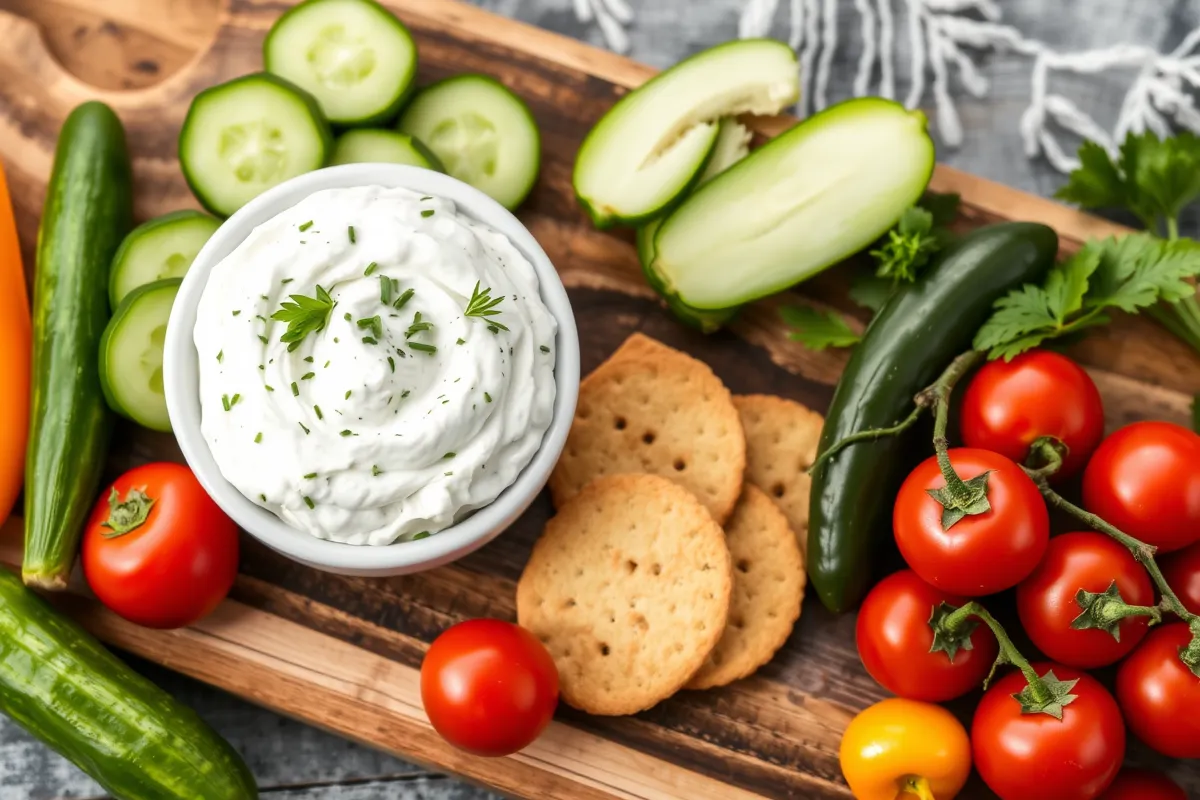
<point x="916" y="334"/>
<point x="134" y="739"/>
<point x="88" y="211"/>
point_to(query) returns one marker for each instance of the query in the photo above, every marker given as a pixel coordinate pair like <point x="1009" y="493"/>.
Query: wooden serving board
<point x="343" y="653"/>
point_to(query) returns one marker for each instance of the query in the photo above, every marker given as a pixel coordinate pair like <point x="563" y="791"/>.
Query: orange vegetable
<point x="905" y="750"/>
<point x="15" y="356"/>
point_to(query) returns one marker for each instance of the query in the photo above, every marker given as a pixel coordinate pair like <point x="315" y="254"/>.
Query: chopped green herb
<point x="304" y="315"/>
<point x="370" y="269"/>
<point x="427" y="212"/>
<point x="375" y="324"/>
<point x="817" y="329"/>
<point x="405" y="394"/>
<point x="317" y="409"/>
<point x="369" y="340"/>
<point x="450" y="455"/>
<point x="226" y="403"/>
<point x="258" y="438"/>
<point x="386" y="287"/>
<point x="309" y="502"/>
<point x="421" y="535"/>
<point x="350" y="231"/>
<point x="262" y="367"/>
<point x="233" y="401"/>
<point x="308" y="376"/>
<point x="461" y="341"/>
<point x="237" y="311"/>
<point x="426" y="197"/>
<point x="286" y="281"/>
<point x="295" y="390"/>
<point x="261" y="318"/>
<point x="348" y="394"/>
<point x="346" y="316"/>
<point x="418" y="325"/>
<point x="487" y="397"/>
<point x="483" y="305"/>
<point x="308" y="359"/>
<point x="403" y="299"/>
<point x="326" y="366"/>
<point x="346" y="432"/>
<point x="447" y="474"/>
<point x="495" y="329"/>
<point x="423" y="348"/>
<point x="306" y="226"/>
<point x="268" y="387"/>
<point x="262" y="497"/>
<point x="310" y="476"/>
<point x="220" y="356"/>
<point x="262" y="338"/>
<point x="375" y="471"/>
<point x="264" y="297"/>
<point x="544" y="349"/>
<point x="392" y="363"/>
<point x="302" y="425"/>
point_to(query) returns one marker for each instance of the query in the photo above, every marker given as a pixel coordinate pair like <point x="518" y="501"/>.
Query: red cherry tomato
<point x="982" y="553"/>
<point x="157" y="550"/>
<point x="1046" y="599"/>
<point x="894" y="638"/>
<point x="1009" y="404"/>
<point x="489" y="687"/>
<point x="1037" y="757"/>
<point x="1182" y="571"/>
<point x="1159" y="696"/>
<point x="1141" y="784"/>
<point x="1145" y="479"/>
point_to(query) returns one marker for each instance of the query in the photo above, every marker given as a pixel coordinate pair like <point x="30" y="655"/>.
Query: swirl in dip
<point x="379" y="410"/>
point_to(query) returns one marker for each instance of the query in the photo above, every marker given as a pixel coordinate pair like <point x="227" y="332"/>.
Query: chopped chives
<point x="286" y="281"/>
<point x="487" y="397"/>
<point x="392" y="363"/>
<point x="262" y="367"/>
<point x="405" y="394"/>
<point x="220" y="356"/>
<point x="375" y="471"/>
<point x="374" y="323"/>
<point x="258" y="438"/>
<point x="347" y="432"/>
<point x="225" y="402"/>
<point x="427" y="212"/>
<point x="306" y="226"/>
<point x="403" y="299"/>
<point x="295" y="390"/>
<point x="309" y="359"/>
<point x="262" y="338"/>
<point x="544" y="349"/>
<point x="461" y="341"/>
<point x="302" y="425"/>
<point x="346" y="316"/>
<point x="421" y="535"/>
<point x="237" y="311"/>
<point x="233" y="401"/>
<point x="350" y="231"/>
<point x="327" y="363"/>
<point x="308" y="376"/>
<point x="369" y="340"/>
<point x="268" y="387"/>
<point x="450" y="455"/>
<point x="262" y="497"/>
<point x="310" y="476"/>
<point x="317" y="409"/>
<point x="426" y="197"/>
<point x="309" y="502"/>
<point x="348" y="394"/>
<point x="423" y="348"/>
<point x="447" y="474"/>
<point x="370" y="268"/>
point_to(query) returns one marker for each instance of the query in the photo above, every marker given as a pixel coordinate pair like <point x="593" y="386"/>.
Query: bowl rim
<point x="181" y="377"/>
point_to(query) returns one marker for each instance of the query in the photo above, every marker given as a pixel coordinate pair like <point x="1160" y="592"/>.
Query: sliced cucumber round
<point x="354" y="56"/>
<point x="376" y="146"/>
<point x="483" y="133"/>
<point x="651" y="147"/>
<point x="131" y="355"/>
<point x="242" y="137"/>
<point x="804" y="201"/>
<point x="163" y="247"/>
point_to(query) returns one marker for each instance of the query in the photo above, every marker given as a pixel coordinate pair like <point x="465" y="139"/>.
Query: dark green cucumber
<point x="88" y="211"/>
<point x="134" y="739"/>
<point x="916" y="334"/>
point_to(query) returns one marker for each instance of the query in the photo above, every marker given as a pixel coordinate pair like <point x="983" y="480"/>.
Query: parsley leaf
<point x="907" y="247"/>
<point x="870" y="291"/>
<point x="817" y="330"/>
<point x="304" y="315"/>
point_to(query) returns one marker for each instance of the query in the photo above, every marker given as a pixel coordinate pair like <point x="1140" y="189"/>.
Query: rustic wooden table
<point x="295" y="761"/>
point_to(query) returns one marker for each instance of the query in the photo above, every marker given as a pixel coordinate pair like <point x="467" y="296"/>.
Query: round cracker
<point x="768" y="588"/>
<point x="652" y="409"/>
<point x="628" y="587"/>
<point x="781" y="443"/>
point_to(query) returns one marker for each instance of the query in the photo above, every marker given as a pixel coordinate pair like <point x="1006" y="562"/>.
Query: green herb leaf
<point x="385" y="289"/>
<point x="421" y="535"/>
<point x="483" y="305"/>
<point x="350" y="232"/>
<point x="907" y="247"/>
<point x="309" y="502"/>
<point x="310" y="476"/>
<point x="403" y="299"/>
<point x="304" y="428"/>
<point x="305" y="226"/>
<point x="418" y="325"/>
<point x="317" y="409"/>
<point x="370" y="340"/>
<point x="258" y="438"/>
<point x="346" y="432"/>
<point x="870" y="291"/>
<point x="423" y="348"/>
<point x="544" y="349"/>
<point x="487" y="397"/>
<point x="427" y="212"/>
<point x="375" y="324"/>
<point x="236" y="312"/>
<point x="817" y="330"/>
<point x="370" y="269"/>
<point x="220" y="356"/>
<point x="304" y="315"/>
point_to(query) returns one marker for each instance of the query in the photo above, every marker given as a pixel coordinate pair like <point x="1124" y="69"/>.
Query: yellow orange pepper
<point x="15" y="355"/>
<point x="903" y="749"/>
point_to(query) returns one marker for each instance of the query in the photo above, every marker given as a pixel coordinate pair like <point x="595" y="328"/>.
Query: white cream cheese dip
<point x="411" y="387"/>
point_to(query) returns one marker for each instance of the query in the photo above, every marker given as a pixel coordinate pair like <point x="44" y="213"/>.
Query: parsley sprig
<point x="304" y="315"/>
<point x="816" y="329"/>
<point x="483" y="305"/>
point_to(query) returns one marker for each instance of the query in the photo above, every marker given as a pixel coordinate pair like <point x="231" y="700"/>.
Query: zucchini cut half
<point x="378" y="146"/>
<point x="353" y="56"/>
<point x="161" y="248"/>
<point x="242" y="137"/>
<point x="652" y="146"/>
<point x="804" y="201"/>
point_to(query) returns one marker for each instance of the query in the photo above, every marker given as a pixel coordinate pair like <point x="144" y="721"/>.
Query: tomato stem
<point x="951" y="624"/>
<point x="959" y="498"/>
<point x="868" y="435"/>
<point x="128" y="514"/>
<point x="918" y="785"/>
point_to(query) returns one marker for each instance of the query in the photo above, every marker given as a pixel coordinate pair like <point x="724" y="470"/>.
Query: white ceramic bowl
<point x="181" y="380"/>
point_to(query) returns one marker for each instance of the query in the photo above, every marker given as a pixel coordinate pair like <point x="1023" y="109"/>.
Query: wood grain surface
<point x="343" y="653"/>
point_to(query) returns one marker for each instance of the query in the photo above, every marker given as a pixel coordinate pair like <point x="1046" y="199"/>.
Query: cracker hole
<point x="656" y="569"/>
<point x="701" y="625"/>
<point x="739" y="624"/>
<point x="680" y="465"/>
<point x="772" y="614"/>
<point x="717" y="658"/>
<point x="648" y="437"/>
<point x="631" y="565"/>
<point x="620" y="423"/>
<point x="604" y="649"/>
<point x="743" y="565"/>
<point x="777" y="490"/>
<point x="570" y="603"/>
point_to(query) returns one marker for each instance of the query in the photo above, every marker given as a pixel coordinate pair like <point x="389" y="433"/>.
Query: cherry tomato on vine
<point x="157" y="550"/>
<point x="489" y="686"/>
<point x="1145" y="480"/>
<point x="1009" y="404"/>
<point x="1182" y="571"/>
<point x="981" y="553"/>
<point x="1142" y="784"/>
<point x="1047" y="606"/>
<point x="1037" y="757"/>
<point x="1159" y="695"/>
<point x="894" y="638"/>
<point x="900" y="744"/>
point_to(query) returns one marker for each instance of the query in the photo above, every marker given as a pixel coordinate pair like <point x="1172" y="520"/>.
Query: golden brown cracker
<point x="781" y="443"/>
<point x="768" y="588"/>
<point x="652" y="409"/>
<point x="629" y="589"/>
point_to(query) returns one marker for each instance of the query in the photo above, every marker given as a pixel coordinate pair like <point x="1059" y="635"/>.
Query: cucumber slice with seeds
<point x="131" y="355"/>
<point x="376" y="146"/>
<point x="161" y="248"/>
<point x="651" y="147"/>
<point x="353" y="56"/>
<point x="483" y="133"/>
<point x="242" y="137"/>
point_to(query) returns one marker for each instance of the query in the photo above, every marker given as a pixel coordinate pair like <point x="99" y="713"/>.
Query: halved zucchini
<point x="804" y="201"/>
<point x="652" y="146"/>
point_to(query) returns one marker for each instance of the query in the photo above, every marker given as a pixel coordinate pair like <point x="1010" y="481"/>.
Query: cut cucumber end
<point x="806" y="200"/>
<point x="161" y="248"/>
<point x="652" y="146"/>
<point x="482" y="133"/>
<point x="378" y="146"/>
<point x="242" y="137"/>
<point x="353" y="56"/>
<point x="131" y="355"/>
